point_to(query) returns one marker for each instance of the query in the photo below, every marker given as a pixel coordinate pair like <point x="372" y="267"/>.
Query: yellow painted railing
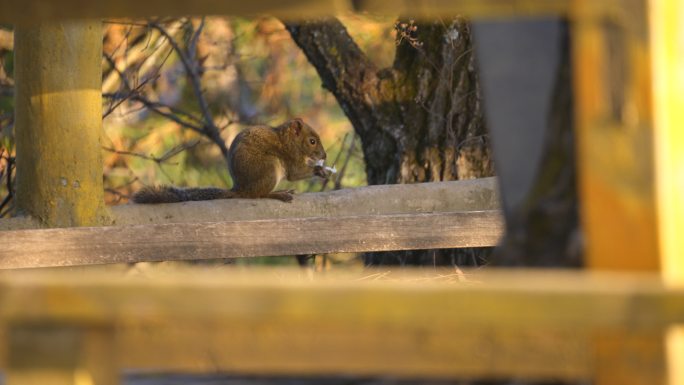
<point x="416" y="324"/>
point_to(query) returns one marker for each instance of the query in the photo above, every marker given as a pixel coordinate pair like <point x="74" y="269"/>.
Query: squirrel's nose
<point x="325" y="155"/>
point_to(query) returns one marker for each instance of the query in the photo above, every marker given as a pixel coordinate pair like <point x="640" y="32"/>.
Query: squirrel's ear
<point x="296" y="125"/>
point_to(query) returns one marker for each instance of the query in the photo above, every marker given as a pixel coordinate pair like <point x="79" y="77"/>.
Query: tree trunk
<point x="419" y="121"/>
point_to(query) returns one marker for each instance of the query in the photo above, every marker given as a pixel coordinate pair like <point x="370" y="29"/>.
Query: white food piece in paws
<point x="332" y="170"/>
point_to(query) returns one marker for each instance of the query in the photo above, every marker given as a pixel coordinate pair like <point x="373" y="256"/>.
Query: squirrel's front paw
<point x="324" y="172"/>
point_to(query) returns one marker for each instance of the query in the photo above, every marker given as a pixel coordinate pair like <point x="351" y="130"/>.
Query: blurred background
<point x="250" y="72"/>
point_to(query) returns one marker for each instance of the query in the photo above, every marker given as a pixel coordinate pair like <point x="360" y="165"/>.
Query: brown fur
<point x="170" y="194"/>
<point x="258" y="157"/>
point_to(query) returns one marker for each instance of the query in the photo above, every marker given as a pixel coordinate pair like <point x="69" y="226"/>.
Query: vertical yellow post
<point x="58" y="74"/>
<point x="667" y="42"/>
<point x="616" y="169"/>
<point x="615" y="136"/>
<point x="667" y="39"/>
<point x="630" y="109"/>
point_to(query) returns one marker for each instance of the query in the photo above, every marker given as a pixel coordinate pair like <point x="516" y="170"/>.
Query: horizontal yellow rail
<point x="37" y="11"/>
<point x="31" y="11"/>
<point x="528" y="324"/>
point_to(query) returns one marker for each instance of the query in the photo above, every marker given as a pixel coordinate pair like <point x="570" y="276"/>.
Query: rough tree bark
<point x="419" y="121"/>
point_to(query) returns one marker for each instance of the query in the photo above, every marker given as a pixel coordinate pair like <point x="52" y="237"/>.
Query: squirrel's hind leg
<point x="284" y="195"/>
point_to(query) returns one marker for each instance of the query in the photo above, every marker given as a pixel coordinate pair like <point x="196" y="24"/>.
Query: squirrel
<point x="258" y="159"/>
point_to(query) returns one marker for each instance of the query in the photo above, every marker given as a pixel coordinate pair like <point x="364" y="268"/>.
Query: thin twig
<point x="121" y="22"/>
<point x="162" y="159"/>
<point x="192" y="45"/>
<point x="172" y="109"/>
<point x="119" y="195"/>
<point x="204" y="125"/>
<point x="125" y="39"/>
<point x="135" y="94"/>
<point x="156" y="107"/>
<point x="338" y="181"/>
<point x="209" y="128"/>
<point x="325" y="181"/>
<point x="10" y="193"/>
<point x="130" y="93"/>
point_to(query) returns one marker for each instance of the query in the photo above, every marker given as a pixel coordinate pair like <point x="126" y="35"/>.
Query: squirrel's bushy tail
<point x="156" y="194"/>
<point x="170" y="194"/>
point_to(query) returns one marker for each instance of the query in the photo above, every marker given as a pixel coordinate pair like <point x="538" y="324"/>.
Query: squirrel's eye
<point x="312" y="141"/>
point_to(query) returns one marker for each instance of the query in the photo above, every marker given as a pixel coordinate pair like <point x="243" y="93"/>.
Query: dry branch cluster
<point x="197" y="75"/>
<point x="6" y="124"/>
<point x="165" y="45"/>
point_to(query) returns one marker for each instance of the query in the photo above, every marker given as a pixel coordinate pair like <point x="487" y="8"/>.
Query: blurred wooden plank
<point x="674" y="340"/>
<point x="59" y="355"/>
<point x="187" y="241"/>
<point x="589" y="299"/>
<point x="615" y="139"/>
<point x="36" y="11"/>
<point x="314" y="348"/>
<point x="470" y="8"/>
<point x="666" y="33"/>
<point x="529" y="324"/>
<point x="6" y="40"/>
<point x="668" y="101"/>
<point x="618" y="173"/>
<point x="32" y="11"/>
<point x="617" y="350"/>
<point x="463" y="195"/>
<point x="518" y="299"/>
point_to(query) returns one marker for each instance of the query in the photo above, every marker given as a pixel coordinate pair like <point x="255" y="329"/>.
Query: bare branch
<point x="119" y="195"/>
<point x="192" y="45"/>
<point x="127" y="86"/>
<point x="324" y="183"/>
<point x="142" y="55"/>
<point x="191" y="68"/>
<point x="123" y="22"/>
<point x="203" y="124"/>
<point x="178" y="149"/>
<point x="350" y="151"/>
<point x="156" y="107"/>
<point x="159" y="160"/>
<point x="10" y="193"/>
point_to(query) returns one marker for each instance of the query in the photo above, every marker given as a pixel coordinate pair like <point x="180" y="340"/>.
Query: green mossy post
<point x="59" y="122"/>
